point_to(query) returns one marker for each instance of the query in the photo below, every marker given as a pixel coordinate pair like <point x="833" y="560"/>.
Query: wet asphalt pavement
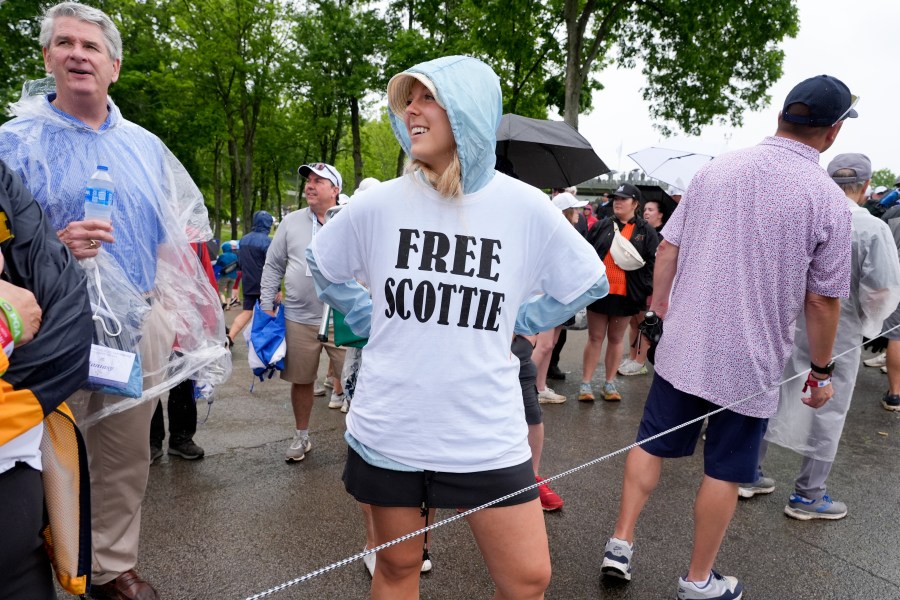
<point x="242" y="521"/>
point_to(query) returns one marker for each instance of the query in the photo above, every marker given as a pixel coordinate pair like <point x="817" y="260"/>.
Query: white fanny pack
<point x="624" y="254"/>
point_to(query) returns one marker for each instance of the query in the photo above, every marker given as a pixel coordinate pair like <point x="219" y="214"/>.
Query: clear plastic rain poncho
<point x="158" y="212"/>
<point x="874" y="294"/>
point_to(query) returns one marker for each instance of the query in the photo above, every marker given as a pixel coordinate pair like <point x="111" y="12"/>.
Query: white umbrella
<point x="675" y="167"/>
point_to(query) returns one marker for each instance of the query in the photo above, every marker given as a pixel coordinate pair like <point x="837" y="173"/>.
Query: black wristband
<point x="826" y="370"/>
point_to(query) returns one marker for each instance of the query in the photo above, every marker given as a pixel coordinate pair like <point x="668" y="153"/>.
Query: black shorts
<point x="615" y="305"/>
<point x="522" y="348"/>
<point x="250" y="301"/>
<point x="383" y="487"/>
<point x="731" y="450"/>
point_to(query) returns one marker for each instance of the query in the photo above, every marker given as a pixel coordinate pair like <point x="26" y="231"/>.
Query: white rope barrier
<point x="462" y="515"/>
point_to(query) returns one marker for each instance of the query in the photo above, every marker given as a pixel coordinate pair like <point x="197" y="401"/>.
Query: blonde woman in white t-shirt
<point x="454" y="254"/>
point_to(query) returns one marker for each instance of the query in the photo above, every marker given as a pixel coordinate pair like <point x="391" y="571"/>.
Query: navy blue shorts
<point x="731" y="450"/>
<point x="383" y="487"/>
<point x="250" y="301"/>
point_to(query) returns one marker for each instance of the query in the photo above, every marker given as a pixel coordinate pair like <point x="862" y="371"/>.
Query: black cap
<point x="828" y="99"/>
<point x="626" y="190"/>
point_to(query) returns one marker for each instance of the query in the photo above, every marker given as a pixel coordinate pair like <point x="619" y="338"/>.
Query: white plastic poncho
<point x="158" y="212"/>
<point x="874" y="294"/>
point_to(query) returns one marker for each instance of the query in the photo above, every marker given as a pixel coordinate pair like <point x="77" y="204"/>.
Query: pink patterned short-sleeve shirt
<point x="756" y="230"/>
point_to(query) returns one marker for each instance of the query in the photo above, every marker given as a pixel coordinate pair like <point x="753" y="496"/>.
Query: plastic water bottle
<point x="99" y="195"/>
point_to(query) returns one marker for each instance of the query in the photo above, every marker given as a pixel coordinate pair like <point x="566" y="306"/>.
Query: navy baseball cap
<point x="828" y="99"/>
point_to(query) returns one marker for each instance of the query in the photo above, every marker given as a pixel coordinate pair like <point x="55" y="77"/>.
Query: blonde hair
<point x="448" y="184"/>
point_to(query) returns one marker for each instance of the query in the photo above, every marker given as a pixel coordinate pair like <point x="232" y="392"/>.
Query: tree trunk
<point x="357" y="142"/>
<point x="574" y="43"/>
<point x="217" y="188"/>
<point x="278" y="192"/>
<point x="233" y="185"/>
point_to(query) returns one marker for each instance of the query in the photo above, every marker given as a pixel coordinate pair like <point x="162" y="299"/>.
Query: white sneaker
<point x="876" y="361"/>
<point x="633" y="368"/>
<point x="337" y="400"/>
<point x="548" y="396"/>
<point x="318" y="389"/>
<point x="345" y="406"/>
<point x="328" y="383"/>
<point x="369" y="561"/>
<point x="298" y="449"/>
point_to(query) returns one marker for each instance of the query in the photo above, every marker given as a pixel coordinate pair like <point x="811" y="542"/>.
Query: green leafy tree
<point x="519" y="39"/>
<point x="883" y="177"/>
<point x="704" y="61"/>
<point x="20" y="52"/>
<point x="232" y="51"/>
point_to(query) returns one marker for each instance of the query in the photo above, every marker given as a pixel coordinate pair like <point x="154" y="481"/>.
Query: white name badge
<point x="110" y="366"/>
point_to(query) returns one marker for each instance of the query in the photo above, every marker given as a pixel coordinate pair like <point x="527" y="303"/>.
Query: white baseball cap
<point x="566" y="200"/>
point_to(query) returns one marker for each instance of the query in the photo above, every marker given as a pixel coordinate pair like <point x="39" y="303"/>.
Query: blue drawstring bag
<point x="267" y="342"/>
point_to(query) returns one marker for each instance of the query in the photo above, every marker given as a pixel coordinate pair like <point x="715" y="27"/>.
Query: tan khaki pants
<point x="118" y="448"/>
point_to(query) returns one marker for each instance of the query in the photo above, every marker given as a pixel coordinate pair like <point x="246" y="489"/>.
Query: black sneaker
<point x="553" y="372"/>
<point x="187" y="450"/>
<point x="155" y="453"/>
<point x="890" y="402"/>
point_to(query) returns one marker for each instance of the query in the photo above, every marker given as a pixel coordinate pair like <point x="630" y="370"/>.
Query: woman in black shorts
<point x="458" y="258"/>
<point x="628" y="290"/>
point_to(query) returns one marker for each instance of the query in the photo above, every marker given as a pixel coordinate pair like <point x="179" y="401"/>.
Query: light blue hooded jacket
<point x="469" y="91"/>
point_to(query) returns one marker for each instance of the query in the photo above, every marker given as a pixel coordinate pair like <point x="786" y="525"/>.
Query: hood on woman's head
<point x="469" y="91"/>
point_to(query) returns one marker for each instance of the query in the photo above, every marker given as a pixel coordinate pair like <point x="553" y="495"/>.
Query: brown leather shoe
<point x="127" y="586"/>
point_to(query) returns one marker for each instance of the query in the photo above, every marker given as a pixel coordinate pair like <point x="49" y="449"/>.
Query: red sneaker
<point x="550" y="500"/>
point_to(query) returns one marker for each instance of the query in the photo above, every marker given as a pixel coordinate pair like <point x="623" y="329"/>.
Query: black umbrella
<point x="546" y="154"/>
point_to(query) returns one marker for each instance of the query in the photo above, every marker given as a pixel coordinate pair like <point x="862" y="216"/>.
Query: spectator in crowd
<point x="548" y="341"/>
<point x="457" y="227"/>
<point x="728" y="331"/>
<point x="628" y="290"/>
<point x="286" y="260"/>
<point x="553" y="371"/>
<point x="252" y="258"/>
<point x="54" y="143"/>
<point x="226" y="269"/>
<point x="655" y="215"/>
<point x="181" y="406"/>
<point x="588" y="213"/>
<point x="605" y="206"/>
<point x="43" y="289"/>
<point x="874" y="294"/>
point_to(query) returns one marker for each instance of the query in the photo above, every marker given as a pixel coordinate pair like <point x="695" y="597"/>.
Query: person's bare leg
<point x="615" y="345"/>
<point x="513" y="542"/>
<point x="543" y="349"/>
<point x="713" y="509"/>
<point x="302" y="403"/>
<point x="397" y="567"/>
<point x="370" y="526"/>
<point x="597" y="324"/>
<point x="632" y="337"/>
<point x="536" y="443"/>
<point x="893" y="366"/>
<point x="642" y="471"/>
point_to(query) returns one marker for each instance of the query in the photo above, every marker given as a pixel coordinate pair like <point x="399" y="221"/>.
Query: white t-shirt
<point x="438" y="389"/>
